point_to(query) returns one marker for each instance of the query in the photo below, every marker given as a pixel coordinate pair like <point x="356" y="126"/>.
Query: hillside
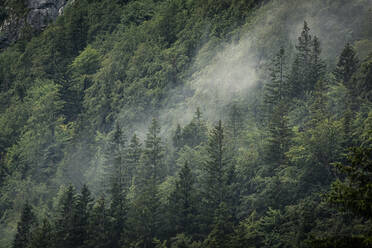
<point x="171" y="123"/>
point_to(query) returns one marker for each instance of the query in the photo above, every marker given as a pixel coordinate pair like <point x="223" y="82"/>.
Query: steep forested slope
<point x="194" y="123"/>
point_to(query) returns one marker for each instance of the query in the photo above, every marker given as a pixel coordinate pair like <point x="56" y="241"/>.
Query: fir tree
<point x="347" y="65"/>
<point x="134" y="152"/>
<point x="235" y="124"/>
<point x="277" y="89"/>
<point x="145" y="216"/>
<point x="98" y="226"/>
<point x="279" y="135"/>
<point x="182" y="203"/>
<point x="24" y="227"/>
<point x="177" y="138"/>
<point x="43" y="236"/>
<point x="67" y="235"/>
<point x="195" y="132"/>
<point x="217" y="172"/>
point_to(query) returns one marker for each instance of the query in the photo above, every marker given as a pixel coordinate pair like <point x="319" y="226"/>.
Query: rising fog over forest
<point x="185" y="123"/>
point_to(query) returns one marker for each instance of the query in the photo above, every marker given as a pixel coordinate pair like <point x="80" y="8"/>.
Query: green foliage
<point x="72" y="95"/>
<point x="24" y="228"/>
<point x="354" y="192"/>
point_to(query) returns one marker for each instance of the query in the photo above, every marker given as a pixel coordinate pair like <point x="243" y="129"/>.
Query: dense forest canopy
<point x="171" y="123"/>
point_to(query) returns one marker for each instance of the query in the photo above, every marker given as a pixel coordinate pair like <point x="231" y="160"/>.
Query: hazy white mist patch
<point x="236" y="67"/>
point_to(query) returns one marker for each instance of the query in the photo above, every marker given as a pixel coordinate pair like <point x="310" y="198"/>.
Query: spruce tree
<point x="347" y="65"/>
<point x="307" y="67"/>
<point x="183" y="203"/>
<point x="98" y="231"/>
<point x="67" y="233"/>
<point x="195" y="133"/>
<point x="83" y="207"/>
<point x="43" y="236"/>
<point x="133" y="156"/>
<point x="279" y="135"/>
<point x="145" y="215"/>
<point x="277" y="103"/>
<point x="235" y="124"/>
<point x="177" y="138"/>
<point x="277" y="89"/>
<point x="24" y="227"/>
<point x="217" y="175"/>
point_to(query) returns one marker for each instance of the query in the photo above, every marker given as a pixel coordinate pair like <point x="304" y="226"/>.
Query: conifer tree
<point x="145" y="216"/>
<point x="98" y="226"/>
<point x="217" y="175"/>
<point x="119" y="183"/>
<point x="183" y="203"/>
<point x="195" y="132"/>
<point x="276" y="100"/>
<point x="43" y="236"/>
<point x="347" y="65"/>
<point x="24" y="227"/>
<point x="83" y="207"/>
<point x="279" y="135"/>
<point x="66" y="232"/>
<point x="133" y="156"/>
<point x="177" y="138"/>
<point x="307" y="67"/>
<point x="235" y="124"/>
<point x="277" y="88"/>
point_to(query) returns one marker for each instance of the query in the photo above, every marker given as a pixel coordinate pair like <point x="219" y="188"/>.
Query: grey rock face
<point x="43" y="12"/>
<point x="40" y="14"/>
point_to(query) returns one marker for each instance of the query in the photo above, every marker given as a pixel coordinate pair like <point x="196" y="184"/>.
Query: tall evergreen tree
<point x="183" y="203"/>
<point x="347" y="65"/>
<point x="98" y="226"/>
<point x="145" y="216"/>
<point x="82" y="212"/>
<point x="308" y="67"/>
<point x="279" y="135"/>
<point x="177" y="138"/>
<point x="195" y="132"/>
<point x="235" y="124"/>
<point x="43" y="236"/>
<point x="24" y="227"/>
<point x="277" y="88"/>
<point x="67" y="235"/>
<point x="217" y="175"/>
<point x="133" y="156"/>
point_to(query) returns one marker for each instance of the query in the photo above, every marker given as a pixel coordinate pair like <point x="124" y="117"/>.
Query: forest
<point x="188" y="124"/>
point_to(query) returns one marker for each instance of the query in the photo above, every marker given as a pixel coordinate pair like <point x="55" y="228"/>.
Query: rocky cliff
<point x="38" y="14"/>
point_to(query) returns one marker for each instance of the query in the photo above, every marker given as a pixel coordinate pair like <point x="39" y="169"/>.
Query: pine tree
<point x="277" y="89"/>
<point x="119" y="182"/>
<point x="98" y="235"/>
<point x="177" y="138"/>
<point x="235" y="124"/>
<point x="307" y="67"/>
<point x="195" y="132"/>
<point x="82" y="212"/>
<point x="279" y="135"/>
<point x="183" y="203"/>
<point x="217" y="175"/>
<point x="43" y="236"/>
<point x="276" y="100"/>
<point x="347" y="65"/>
<point x="67" y="234"/>
<point x="154" y="168"/>
<point x="24" y="227"/>
<point x="318" y="67"/>
<point x="222" y="229"/>
<point x="134" y="152"/>
<point x="318" y="111"/>
<point x="145" y="215"/>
